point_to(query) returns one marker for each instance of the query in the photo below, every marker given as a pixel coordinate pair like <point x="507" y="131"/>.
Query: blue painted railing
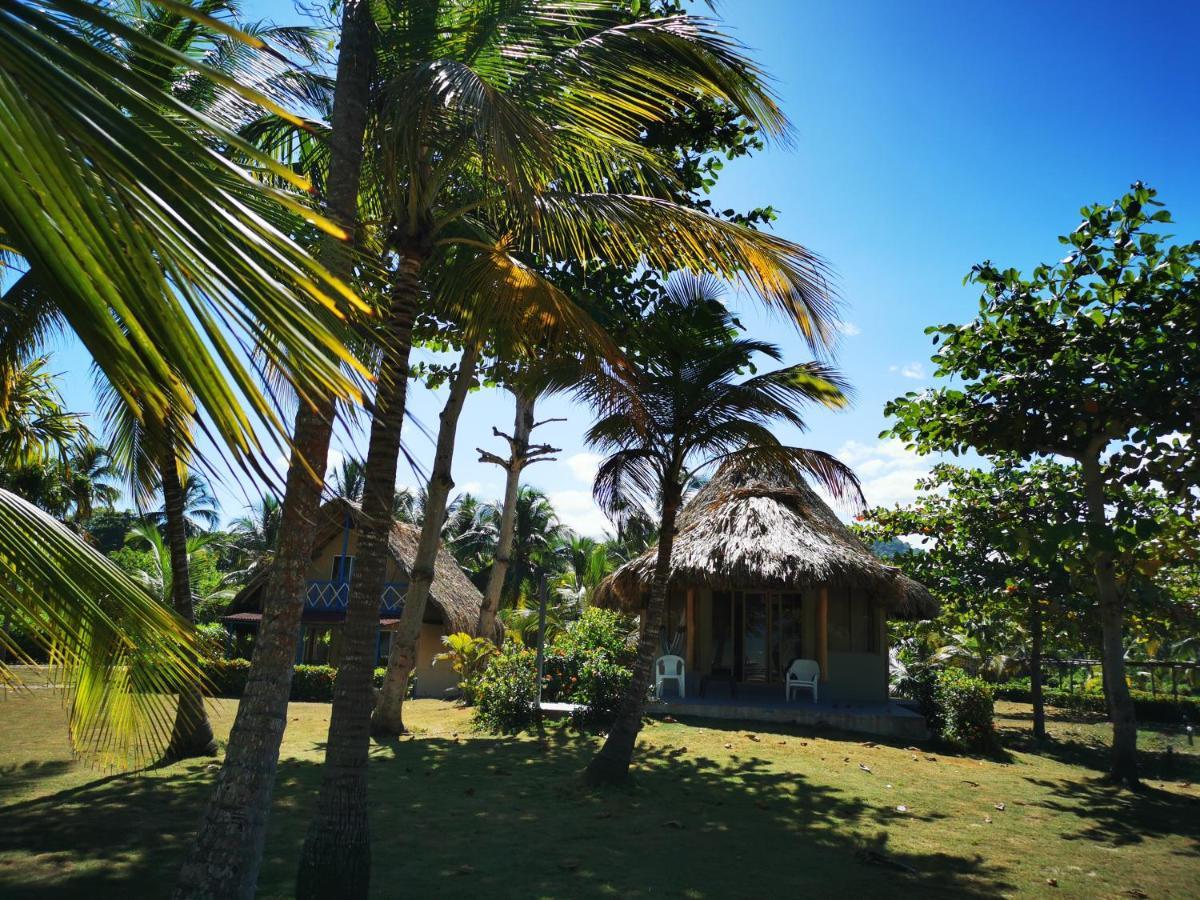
<point x="332" y="596"/>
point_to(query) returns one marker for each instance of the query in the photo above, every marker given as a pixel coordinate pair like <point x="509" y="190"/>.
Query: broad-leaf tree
<point x="1095" y="358"/>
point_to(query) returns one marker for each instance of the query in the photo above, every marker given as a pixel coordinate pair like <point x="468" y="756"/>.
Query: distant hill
<point x="888" y="549"/>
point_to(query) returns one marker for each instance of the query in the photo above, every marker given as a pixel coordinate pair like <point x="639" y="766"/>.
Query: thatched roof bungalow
<point x="763" y="573"/>
<point x="453" y="604"/>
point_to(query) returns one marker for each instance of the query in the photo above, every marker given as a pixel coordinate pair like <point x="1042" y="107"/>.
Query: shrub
<point x="1147" y="706"/>
<point x="957" y="707"/>
<point x="590" y="664"/>
<point x="210" y="641"/>
<point x="226" y="677"/>
<point x="313" y="684"/>
<point x="506" y="695"/>
<point x="310" y="684"/>
<point x="965" y="710"/>
<point x="469" y="657"/>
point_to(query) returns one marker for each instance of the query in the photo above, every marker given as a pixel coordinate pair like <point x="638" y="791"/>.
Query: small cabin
<point x="763" y="573"/>
<point x="453" y="604"/>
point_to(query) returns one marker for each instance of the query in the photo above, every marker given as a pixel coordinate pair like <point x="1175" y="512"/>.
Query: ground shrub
<point x="1147" y="706"/>
<point x="506" y="693"/>
<point x="957" y="707"/>
<point x="965" y="710"/>
<point x="590" y="664"/>
<point x="310" y="684"/>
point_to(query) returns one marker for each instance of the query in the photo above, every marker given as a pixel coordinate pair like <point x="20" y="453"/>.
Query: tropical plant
<point x="256" y="535"/>
<point x="1092" y="359"/>
<point x="680" y="410"/>
<point x="468" y="656"/>
<point x="35" y="427"/>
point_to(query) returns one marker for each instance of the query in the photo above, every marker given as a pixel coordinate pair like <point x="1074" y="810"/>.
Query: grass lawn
<point x="715" y="812"/>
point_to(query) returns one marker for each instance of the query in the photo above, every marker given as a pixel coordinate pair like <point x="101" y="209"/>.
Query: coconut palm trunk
<point x="522" y="428"/>
<point x="611" y="764"/>
<point x="336" y="859"/>
<point x="1123" y="763"/>
<point x="192" y="734"/>
<point x="226" y="855"/>
<point x="388" y="718"/>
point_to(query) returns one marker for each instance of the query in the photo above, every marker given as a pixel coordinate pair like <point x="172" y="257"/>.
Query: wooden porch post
<point x="690" y="625"/>
<point x="823" y="632"/>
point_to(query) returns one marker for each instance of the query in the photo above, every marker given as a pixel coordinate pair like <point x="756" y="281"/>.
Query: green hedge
<point x="1147" y="707"/>
<point x="957" y="707"/>
<point x="310" y="684"/>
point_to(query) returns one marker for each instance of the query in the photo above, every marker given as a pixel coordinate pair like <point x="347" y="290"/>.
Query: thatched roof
<point x="452" y="594"/>
<point x="770" y="532"/>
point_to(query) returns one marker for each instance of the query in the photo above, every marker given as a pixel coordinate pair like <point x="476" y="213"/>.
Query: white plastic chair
<point x="668" y="668"/>
<point x="802" y="673"/>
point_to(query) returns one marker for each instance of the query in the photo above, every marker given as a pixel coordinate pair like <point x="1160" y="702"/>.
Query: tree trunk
<point x="611" y="764"/>
<point x="192" y="734"/>
<point x="1035" y="669"/>
<point x="336" y="859"/>
<point x="227" y="852"/>
<point x="522" y="427"/>
<point x="1123" y="763"/>
<point x="388" y="718"/>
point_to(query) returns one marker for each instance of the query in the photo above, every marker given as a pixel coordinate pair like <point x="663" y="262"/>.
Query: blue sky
<point x="929" y="136"/>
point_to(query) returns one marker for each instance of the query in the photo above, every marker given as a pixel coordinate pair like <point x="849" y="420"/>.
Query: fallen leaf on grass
<point x="901" y="808"/>
<point x="866" y="769"/>
<point x="729" y="746"/>
<point x="988" y="819"/>
<point x="1053" y="882"/>
<point x="466" y="869"/>
<point x="753" y="737"/>
<point x="1000" y="806"/>
<point x="673" y="823"/>
<point x="971" y="783"/>
<point x="1136" y="892"/>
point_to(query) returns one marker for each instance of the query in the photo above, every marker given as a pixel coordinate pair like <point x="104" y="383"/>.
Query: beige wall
<point x="432" y="680"/>
<point x="322" y="564"/>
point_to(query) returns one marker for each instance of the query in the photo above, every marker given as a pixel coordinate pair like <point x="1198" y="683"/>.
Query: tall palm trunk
<point x="1123" y="762"/>
<point x="192" y="734"/>
<point x="522" y="428"/>
<point x="1035" y="668"/>
<point x="388" y="718"/>
<point x="611" y="764"/>
<point x="336" y="859"/>
<point x="227" y="852"/>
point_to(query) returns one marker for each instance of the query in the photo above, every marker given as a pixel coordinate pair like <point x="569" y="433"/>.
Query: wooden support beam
<point x="690" y="625"/>
<point x="823" y="632"/>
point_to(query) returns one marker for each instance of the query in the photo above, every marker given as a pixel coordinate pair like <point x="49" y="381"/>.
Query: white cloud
<point x="849" y="329"/>
<point x="910" y="370"/>
<point x="578" y="511"/>
<point x="584" y="465"/>
<point x="484" y="490"/>
<point x="888" y="471"/>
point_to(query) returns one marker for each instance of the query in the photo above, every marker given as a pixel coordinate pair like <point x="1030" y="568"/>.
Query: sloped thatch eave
<point x="771" y="533"/>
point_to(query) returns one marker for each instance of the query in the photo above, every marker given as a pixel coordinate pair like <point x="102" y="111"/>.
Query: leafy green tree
<point x="994" y="551"/>
<point x="1096" y="359"/>
<point x="679" y="409"/>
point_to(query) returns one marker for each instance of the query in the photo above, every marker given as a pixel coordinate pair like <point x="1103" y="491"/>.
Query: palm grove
<point x="523" y="184"/>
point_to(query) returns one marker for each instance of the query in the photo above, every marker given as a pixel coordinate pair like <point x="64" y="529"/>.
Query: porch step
<point x="886" y="720"/>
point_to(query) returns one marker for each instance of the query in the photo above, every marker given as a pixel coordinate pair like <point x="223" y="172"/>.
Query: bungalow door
<point x="765" y="628"/>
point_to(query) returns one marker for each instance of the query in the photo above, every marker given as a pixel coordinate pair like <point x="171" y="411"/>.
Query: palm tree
<point x="225" y="857"/>
<point x="90" y="473"/>
<point x="34" y="423"/>
<point x="104" y="164"/>
<point x="256" y="535"/>
<point x="536" y="541"/>
<point x="683" y="409"/>
<point x="200" y="511"/>
<point x="502" y="132"/>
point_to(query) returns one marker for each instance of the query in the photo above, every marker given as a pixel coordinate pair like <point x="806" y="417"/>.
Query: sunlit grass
<point x="715" y="812"/>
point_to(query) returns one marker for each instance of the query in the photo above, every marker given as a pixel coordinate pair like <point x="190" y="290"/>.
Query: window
<point x="343" y="568"/>
<point x="841" y="613"/>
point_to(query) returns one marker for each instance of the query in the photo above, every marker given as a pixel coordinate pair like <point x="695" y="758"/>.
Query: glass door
<point x="755" y="637"/>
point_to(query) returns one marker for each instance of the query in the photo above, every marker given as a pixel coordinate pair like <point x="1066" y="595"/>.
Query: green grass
<point x="715" y="812"/>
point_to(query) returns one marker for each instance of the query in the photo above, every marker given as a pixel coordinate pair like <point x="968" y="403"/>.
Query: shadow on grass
<point x="1123" y="818"/>
<point x="1092" y="753"/>
<point x="504" y="818"/>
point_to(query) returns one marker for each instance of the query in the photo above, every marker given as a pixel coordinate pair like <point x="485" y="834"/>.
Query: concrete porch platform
<point x="762" y="703"/>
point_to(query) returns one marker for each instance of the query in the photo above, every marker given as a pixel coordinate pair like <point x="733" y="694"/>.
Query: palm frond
<point x="120" y="656"/>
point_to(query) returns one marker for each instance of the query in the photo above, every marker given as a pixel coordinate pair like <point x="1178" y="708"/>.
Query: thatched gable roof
<point x="770" y="532"/>
<point x="452" y="593"/>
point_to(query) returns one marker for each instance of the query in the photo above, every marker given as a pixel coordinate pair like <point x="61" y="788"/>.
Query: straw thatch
<point x="768" y="532"/>
<point x="452" y="594"/>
